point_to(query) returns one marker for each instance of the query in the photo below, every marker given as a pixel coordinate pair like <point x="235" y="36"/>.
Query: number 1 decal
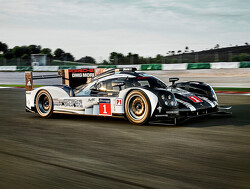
<point x="104" y="107"/>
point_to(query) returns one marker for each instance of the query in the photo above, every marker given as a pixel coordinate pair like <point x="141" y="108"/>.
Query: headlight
<point x="163" y="97"/>
<point x="169" y="100"/>
<point x="213" y="93"/>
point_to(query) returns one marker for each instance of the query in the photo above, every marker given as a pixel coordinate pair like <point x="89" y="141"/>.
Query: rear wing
<point x="70" y="77"/>
<point x="73" y="77"/>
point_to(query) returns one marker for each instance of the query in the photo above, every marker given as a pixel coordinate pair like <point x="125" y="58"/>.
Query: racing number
<point x="104" y="107"/>
<point x="118" y="102"/>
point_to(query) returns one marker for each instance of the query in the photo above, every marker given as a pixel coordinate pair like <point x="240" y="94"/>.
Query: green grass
<point x="3" y="85"/>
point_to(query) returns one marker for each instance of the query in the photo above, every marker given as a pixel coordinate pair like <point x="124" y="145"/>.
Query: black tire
<point x="137" y="107"/>
<point x="44" y="104"/>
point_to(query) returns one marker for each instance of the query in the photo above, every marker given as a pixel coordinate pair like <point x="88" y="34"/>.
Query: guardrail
<point x="181" y="66"/>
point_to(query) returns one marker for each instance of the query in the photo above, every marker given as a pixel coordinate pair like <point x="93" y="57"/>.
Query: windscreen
<point x="150" y="82"/>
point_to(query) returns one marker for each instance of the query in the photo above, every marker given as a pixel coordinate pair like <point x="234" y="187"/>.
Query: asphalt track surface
<point x="88" y="152"/>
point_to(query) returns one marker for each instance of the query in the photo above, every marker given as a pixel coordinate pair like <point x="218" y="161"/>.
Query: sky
<point x="145" y="27"/>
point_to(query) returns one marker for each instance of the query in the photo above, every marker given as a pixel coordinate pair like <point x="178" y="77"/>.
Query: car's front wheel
<point x="137" y="107"/>
<point x="44" y="104"/>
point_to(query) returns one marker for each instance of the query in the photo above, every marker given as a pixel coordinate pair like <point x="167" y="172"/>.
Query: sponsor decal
<point x="99" y="71"/>
<point x="159" y="109"/>
<point x="29" y="83"/>
<point x="143" y="77"/>
<point x="118" y="101"/>
<point x="172" y="112"/>
<point x="195" y="99"/>
<point x="161" y="115"/>
<point x="104" y="106"/>
<point x="104" y="100"/>
<point x="91" y="99"/>
<point x="69" y="103"/>
<point x="74" y="75"/>
<point x="168" y="112"/>
<point x="82" y="71"/>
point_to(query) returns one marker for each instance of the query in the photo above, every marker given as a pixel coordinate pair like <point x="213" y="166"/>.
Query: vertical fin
<point x="28" y="81"/>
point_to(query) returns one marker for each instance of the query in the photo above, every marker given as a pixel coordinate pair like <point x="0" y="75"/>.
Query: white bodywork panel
<point x="55" y="92"/>
<point x="87" y="104"/>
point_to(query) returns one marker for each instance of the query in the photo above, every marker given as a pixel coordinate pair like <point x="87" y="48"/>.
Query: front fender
<point x="198" y="88"/>
<point x="152" y="97"/>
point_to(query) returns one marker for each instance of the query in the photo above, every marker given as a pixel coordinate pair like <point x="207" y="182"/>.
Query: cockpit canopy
<point x="115" y="84"/>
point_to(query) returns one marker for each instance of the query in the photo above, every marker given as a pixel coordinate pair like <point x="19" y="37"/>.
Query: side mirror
<point x="173" y="80"/>
<point x="118" y="83"/>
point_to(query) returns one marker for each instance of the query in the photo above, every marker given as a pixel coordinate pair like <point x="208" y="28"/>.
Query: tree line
<point x="24" y="53"/>
<point x="130" y="58"/>
<point x="187" y="55"/>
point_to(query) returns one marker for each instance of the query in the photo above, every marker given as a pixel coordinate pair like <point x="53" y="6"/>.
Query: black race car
<point x="139" y="97"/>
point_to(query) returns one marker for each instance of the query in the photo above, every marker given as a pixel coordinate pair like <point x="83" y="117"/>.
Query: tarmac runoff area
<point x="70" y="151"/>
<point x="238" y="78"/>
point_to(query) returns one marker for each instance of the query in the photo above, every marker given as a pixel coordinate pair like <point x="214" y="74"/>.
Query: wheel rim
<point x="137" y="108"/>
<point x="43" y="103"/>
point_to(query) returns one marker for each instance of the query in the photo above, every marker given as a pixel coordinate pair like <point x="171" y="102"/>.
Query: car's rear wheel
<point x="137" y="107"/>
<point x="44" y="104"/>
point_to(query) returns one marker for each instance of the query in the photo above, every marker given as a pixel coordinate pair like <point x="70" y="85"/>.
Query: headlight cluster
<point x="213" y="93"/>
<point x="169" y="100"/>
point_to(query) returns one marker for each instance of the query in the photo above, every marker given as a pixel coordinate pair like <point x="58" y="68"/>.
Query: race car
<point x="136" y="96"/>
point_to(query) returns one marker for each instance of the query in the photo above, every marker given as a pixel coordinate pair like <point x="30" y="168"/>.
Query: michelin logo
<point x="69" y="103"/>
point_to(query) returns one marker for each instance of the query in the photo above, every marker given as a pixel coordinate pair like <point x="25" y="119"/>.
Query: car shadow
<point x="90" y="119"/>
<point x="240" y="117"/>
